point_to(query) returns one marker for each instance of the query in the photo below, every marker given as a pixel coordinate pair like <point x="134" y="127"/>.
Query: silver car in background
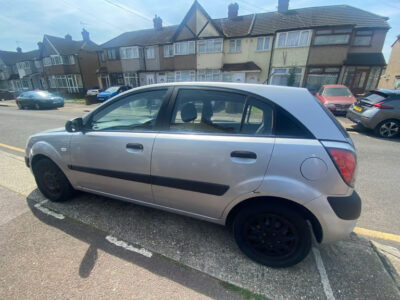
<point x="268" y="161"/>
<point x="379" y="111"/>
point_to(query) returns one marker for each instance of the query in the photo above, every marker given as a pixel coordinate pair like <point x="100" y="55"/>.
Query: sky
<point x="23" y="23"/>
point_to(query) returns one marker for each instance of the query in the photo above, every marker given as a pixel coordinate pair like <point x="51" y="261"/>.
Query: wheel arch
<point x="307" y="214"/>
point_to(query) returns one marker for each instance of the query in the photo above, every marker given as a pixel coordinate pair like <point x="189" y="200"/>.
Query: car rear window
<point x="287" y="126"/>
<point x="374" y="98"/>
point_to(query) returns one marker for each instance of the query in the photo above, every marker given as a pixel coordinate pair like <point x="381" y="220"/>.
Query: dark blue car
<point x="111" y="92"/>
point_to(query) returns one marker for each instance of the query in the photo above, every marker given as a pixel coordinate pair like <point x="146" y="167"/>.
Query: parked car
<point x="6" y="95"/>
<point x="93" y="92"/>
<point x="111" y="92"/>
<point x="241" y="155"/>
<point x="335" y="97"/>
<point x="39" y="100"/>
<point x="378" y="110"/>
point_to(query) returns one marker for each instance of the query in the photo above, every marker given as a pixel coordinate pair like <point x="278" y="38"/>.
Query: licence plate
<point x="357" y="108"/>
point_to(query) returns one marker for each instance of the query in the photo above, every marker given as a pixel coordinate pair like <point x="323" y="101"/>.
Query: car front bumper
<point x="337" y="217"/>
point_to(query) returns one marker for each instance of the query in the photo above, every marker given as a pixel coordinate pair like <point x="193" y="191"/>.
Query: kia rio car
<point x="335" y="97"/>
<point x="268" y="161"/>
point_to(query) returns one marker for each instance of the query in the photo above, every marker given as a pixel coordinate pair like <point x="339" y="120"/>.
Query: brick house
<point x="391" y="78"/>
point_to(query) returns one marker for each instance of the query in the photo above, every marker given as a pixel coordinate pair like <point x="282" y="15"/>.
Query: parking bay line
<point x="322" y="272"/>
<point x="12" y="148"/>
<point x="358" y="230"/>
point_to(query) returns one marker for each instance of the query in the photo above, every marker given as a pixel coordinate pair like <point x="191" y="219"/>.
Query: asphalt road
<point x="344" y="270"/>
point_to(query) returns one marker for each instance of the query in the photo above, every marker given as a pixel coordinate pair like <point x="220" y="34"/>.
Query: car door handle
<point x="244" y="154"/>
<point x="134" y="146"/>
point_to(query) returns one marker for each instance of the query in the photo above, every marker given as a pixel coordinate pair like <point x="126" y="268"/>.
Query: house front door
<point x="150" y="79"/>
<point x="357" y="80"/>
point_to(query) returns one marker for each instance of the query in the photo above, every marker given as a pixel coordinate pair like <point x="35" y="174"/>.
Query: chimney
<point x="283" y="6"/>
<point x="19" y="50"/>
<point x="68" y="37"/>
<point x="40" y="46"/>
<point x="233" y="10"/>
<point x="85" y="35"/>
<point x="157" y="21"/>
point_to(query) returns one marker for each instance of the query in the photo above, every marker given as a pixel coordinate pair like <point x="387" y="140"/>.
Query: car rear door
<point x="113" y="155"/>
<point x="217" y="147"/>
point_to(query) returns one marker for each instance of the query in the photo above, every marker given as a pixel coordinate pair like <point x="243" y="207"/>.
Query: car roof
<point x="334" y="86"/>
<point x="297" y="101"/>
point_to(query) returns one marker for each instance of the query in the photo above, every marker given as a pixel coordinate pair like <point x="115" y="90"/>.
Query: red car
<point x="335" y="97"/>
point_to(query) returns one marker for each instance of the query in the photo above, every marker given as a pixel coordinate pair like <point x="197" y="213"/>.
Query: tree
<point x="292" y="77"/>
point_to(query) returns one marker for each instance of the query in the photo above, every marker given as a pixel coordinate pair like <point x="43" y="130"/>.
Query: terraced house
<point x="299" y="47"/>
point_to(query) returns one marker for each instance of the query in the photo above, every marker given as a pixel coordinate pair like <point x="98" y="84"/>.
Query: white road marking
<point x="48" y="211"/>
<point x="128" y="247"/>
<point x="322" y="272"/>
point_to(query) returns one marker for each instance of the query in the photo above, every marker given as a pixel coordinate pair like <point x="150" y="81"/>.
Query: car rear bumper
<point x="359" y="119"/>
<point x="336" y="223"/>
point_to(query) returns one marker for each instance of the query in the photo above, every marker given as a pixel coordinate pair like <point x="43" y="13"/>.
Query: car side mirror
<point x="75" y="125"/>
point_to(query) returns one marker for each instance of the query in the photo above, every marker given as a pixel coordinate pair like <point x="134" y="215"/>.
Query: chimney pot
<point x="233" y="10"/>
<point x="283" y="6"/>
<point x="68" y="37"/>
<point x="157" y="21"/>
<point x="19" y="50"/>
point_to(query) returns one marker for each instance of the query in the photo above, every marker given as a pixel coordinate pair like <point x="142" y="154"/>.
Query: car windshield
<point x="43" y="94"/>
<point x="337" y="92"/>
<point x="112" y="89"/>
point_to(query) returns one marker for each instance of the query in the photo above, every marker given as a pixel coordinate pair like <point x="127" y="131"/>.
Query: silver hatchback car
<point x="268" y="161"/>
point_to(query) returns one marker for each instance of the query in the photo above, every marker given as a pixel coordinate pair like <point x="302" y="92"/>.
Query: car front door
<point x="112" y="157"/>
<point x="217" y="148"/>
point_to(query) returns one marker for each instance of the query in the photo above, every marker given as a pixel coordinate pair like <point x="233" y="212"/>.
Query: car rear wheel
<point x="388" y="129"/>
<point x="273" y="235"/>
<point x="51" y="181"/>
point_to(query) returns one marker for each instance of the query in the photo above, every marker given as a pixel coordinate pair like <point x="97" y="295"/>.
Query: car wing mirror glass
<point x="75" y="125"/>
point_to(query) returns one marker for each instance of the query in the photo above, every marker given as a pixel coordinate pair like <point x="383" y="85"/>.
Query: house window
<point x="131" y="79"/>
<point x="185" y="76"/>
<point x="332" y="36"/>
<point x="68" y="60"/>
<point x="38" y="65"/>
<point x="56" y="60"/>
<point x="263" y="43"/>
<point x="373" y="78"/>
<point x="170" y="76"/>
<point x="321" y="75"/>
<point x="293" y="39"/>
<point x="168" y="50"/>
<point x="184" y="48"/>
<point x="102" y="56"/>
<point x="112" y="54"/>
<point x="235" y="46"/>
<point x="129" y="52"/>
<point x="210" y="46"/>
<point x="363" y="38"/>
<point x="47" y="61"/>
<point x="209" y="75"/>
<point x="150" y="53"/>
<point x="286" y="76"/>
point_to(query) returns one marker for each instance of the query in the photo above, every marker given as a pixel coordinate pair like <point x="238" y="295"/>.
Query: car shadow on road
<point x="370" y="133"/>
<point x="209" y="249"/>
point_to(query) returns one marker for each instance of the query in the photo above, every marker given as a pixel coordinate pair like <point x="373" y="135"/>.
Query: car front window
<point x="134" y="112"/>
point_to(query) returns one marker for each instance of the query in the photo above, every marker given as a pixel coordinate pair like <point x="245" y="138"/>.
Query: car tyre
<point x="388" y="129"/>
<point x="20" y="106"/>
<point x="51" y="181"/>
<point x="272" y="234"/>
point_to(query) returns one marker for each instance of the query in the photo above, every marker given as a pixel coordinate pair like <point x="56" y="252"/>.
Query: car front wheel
<point x="272" y="234"/>
<point x="388" y="129"/>
<point x="20" y="106"/>
<point x="51" y="181"/>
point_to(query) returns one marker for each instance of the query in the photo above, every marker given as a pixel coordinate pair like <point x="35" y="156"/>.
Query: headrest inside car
<point x="188" y="112"/>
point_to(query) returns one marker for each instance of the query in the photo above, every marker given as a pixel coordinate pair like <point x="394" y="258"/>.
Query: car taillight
<point x="382" y="106"/>
<point x="345" y="162"/>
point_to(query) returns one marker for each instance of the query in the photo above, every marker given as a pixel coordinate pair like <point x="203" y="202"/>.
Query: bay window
<point x="125" y="52"/>
<point x="319" y="76"/>
<point x="293" y="39"/>
<point x="235" y="46"/>
<point x="131" y="79"/>
<point x="185" y="76"/>
<point x="339" y="36"/>
<point x="184" y="48"/>
<point x="263" y="43"/>
<point x="56" y="60"/>
<point x="209" y="75"/>
<point x="363" y="38"/>
<point x="286" y="76"/>
<point x="210" y="46"/>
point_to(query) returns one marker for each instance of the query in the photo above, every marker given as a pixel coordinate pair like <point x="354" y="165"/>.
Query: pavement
<point x="105" y="248"/>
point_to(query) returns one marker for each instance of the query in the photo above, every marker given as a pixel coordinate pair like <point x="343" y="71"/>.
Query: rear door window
<point x="287" y="126"/>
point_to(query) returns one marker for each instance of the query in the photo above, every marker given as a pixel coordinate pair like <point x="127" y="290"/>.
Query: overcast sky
<point x="23" y="23"/>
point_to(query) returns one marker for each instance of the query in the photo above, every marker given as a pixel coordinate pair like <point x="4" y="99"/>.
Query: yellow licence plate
<point x="357" y="108"/>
